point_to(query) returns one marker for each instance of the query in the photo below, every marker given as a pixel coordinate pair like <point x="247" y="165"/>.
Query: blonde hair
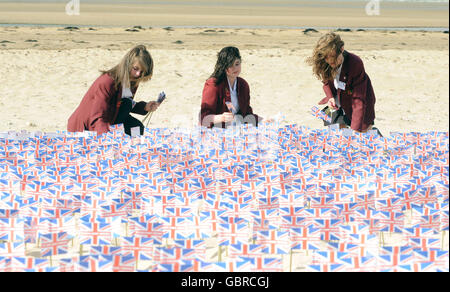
<point x="121" y="72"/>
<point x="327" y="44"/>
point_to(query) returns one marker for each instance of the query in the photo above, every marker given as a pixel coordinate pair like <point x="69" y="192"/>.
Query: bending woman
<point x="109" y="100"/>
<point x="225" y="94"/>
<point x="345" y="82"/>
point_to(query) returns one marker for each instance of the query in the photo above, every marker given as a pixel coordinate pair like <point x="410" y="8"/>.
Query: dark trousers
<point x="338" y="117"/>
<point x="124" y="117"/>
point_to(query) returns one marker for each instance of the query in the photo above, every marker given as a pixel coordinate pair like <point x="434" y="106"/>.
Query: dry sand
<point x="47" y="70"/>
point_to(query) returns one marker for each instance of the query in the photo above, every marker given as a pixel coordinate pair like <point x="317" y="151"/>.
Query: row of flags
<point x="236" y="199"/>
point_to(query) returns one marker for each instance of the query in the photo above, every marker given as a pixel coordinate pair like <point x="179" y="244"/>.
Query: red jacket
<point x="214" y="98"/>
<point x="358" y="98"/>
<point x="99" y="107"/>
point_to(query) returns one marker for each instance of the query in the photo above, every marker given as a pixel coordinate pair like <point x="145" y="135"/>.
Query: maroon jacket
<point x="358" y="98"/>
<point x="99" y="107"/>
<point x="214" y="98"/>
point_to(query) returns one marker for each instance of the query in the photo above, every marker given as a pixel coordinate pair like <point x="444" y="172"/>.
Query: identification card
<point x="135" y="131"/>
<point x="341" y="85"/>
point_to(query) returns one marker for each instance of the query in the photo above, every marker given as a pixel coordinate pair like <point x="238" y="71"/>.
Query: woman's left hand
<point x="151" y="106"/>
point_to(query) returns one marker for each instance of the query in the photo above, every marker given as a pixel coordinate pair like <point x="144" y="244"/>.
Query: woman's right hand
<point x="151" y="106"/>
<point x="223" y="118"/>
<point x="227" y="117"/>
<point x="332" y="104"/>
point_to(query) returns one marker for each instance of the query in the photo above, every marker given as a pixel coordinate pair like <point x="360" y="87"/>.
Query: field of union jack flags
<point x="273" y="198"/>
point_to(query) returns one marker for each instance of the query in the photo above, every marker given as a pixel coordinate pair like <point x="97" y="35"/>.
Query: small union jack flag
<point x="173" y="255"/>
<point x="188" y="266"/>
<point x="20" y="264"/>
<point x="105" y="249"/>
<point x="261" y="264"/>
<point x="54" y="244"/>
<point x="95" y="233"/>
<point x="278" y="242"/>
<point x="12" y="249"/>
<point x="12" y="229"/>
<point x="140" y="248"/>
<point x="233" y="233"/>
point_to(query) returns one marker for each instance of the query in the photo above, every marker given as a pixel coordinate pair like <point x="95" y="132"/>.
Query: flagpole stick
<point x="81" y="249"/>
<point x="290" y="262"/>
<point x="220" y="254"/>
<point x="149" y="115"/>
<point x="443" y="239"/>
<point x="146" y="116"/>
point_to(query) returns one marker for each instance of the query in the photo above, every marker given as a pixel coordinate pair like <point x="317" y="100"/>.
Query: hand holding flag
<point x="161" y="97"/>
<point x="315" y="111"/>
<point x="153" y="105"/>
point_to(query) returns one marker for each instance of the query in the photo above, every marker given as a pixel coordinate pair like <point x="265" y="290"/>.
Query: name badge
<point x="135" y="131"/>
<point x="341" y="85"/>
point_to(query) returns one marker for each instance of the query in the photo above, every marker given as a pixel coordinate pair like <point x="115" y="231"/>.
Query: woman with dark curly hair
<point x="226" y="96"/>
<point x="347" y="86"/>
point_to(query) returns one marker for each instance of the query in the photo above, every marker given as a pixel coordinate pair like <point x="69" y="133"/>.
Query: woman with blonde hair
<point x="347" y="87"/>
<point x="109" y="100"/>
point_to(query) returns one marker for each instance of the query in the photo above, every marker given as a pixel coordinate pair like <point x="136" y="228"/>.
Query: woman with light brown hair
<point x="109" y="100"/>
<point x="347" y="87"/>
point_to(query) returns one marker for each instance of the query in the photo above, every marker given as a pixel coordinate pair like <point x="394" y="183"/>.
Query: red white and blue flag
<point x="261" y="195"/>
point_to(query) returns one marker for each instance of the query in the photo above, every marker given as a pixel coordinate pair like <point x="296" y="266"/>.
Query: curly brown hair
<point x="330" y="42"/>
<point x="225" y="59"/>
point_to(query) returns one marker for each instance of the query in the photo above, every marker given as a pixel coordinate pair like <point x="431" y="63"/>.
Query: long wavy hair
<point x="225" y="59"/>
<point x="327" y="44"/>
<point x="121" y="72"/>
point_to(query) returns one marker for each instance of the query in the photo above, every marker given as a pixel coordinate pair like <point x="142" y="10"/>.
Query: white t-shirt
<point x="126" y="93"/>
<point x="336" y="84"/>
<point x="233" y="95"/>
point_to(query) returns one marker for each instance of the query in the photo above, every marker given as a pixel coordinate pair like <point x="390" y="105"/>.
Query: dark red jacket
<point x="358" y="98"/>
<point x="99" y="107"/>
<point x="214" y="98"/>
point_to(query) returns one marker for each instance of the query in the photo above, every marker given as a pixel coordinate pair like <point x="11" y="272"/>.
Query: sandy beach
<point x="49" y="69"/>
<point x="49" y="60"/>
